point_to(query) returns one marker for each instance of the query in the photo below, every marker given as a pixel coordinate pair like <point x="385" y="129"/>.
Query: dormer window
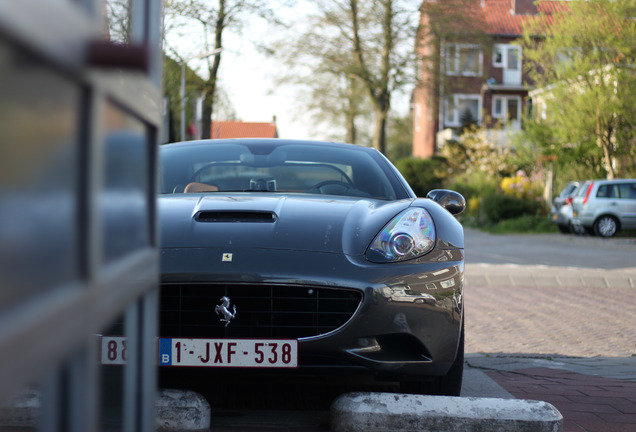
<point x="463" y="59"/>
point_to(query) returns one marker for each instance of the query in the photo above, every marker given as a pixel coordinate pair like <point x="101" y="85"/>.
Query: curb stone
<point x="379" y="412"/>
<point x="177" y="410"/>
<point x="182" y="410"/>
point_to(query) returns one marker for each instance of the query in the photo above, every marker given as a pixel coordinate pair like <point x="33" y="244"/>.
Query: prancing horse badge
<point x="227" y="257"/>
<point x="224" y="309"/>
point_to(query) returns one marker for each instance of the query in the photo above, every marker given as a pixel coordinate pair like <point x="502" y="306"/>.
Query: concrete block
<point x="375" y="412"/>
<point x="21" y="410"/>
<point x="180" y="410"/>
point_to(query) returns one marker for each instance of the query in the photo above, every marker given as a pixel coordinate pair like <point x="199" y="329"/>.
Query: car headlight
<point x="409" y="235"/>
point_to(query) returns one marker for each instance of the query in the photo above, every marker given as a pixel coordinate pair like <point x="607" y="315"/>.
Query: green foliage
<point x="399" y="137"/>
<point x="473" y="185"/>
<point x="524" y="224"/>
<point x="475" y="152"/>
<point x="423" y="174"/>
<point x="466" y="120"/>
<point x="584" y="67"/>
<point x="500" y="206"/>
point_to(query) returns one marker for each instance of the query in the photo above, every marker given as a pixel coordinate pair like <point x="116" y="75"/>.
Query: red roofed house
<point x="239" y="129"/>
<point x="480" y="69"/>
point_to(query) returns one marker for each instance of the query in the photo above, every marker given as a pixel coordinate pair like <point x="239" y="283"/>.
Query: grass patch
<point x="526" y="224"/>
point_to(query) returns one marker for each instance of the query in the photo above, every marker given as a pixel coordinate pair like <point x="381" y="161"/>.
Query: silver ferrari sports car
<point x="285" y="256"/>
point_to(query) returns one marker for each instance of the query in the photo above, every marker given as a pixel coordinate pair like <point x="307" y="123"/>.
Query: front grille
<point x="262" y="311"/>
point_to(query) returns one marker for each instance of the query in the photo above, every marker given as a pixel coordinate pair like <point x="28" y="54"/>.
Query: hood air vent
<point x="235" y="216"/>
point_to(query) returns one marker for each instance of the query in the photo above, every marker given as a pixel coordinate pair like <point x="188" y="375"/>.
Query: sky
<point x="247" y="77"/>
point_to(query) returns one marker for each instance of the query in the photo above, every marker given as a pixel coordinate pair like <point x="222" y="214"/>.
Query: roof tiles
<point x="238" y="129"/>
<point x="501" y="17"/>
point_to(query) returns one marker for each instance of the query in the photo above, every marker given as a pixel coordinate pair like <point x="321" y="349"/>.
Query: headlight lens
<point x="409" y="235"/>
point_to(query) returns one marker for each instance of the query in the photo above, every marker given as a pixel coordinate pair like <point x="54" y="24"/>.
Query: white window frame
<point x="511" y="75"/>
<point x="453" y="62"/>
<point x="453" y="118"/>
<point x="504" y="49"/>
<point x="503" y="115"/>
<point x="504" y="107"/>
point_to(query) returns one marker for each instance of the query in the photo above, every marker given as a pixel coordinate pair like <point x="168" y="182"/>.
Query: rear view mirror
<point x="452" y="201"/>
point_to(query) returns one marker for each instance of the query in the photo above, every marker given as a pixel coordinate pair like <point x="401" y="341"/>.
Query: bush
<point x="423" y="175"/>
<point x="524" y="224"/>
<point x="497" y="207"/>
<point x="473" y="187"/>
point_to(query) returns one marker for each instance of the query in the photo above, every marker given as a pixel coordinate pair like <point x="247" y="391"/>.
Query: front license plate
<point x="246" y="353"/>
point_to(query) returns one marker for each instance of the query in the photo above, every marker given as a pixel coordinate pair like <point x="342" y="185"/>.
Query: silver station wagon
<point x="604" y="207"/>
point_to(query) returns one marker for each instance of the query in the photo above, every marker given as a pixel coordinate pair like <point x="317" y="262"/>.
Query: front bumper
<point x="406" y="325"/>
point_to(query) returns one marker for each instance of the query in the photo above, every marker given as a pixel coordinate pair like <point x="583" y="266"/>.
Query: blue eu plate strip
<point x="165" y="352"/>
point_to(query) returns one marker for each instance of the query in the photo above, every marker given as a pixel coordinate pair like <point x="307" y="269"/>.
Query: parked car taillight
<point x="587" y="194"/>
<point x="568" y="201"/>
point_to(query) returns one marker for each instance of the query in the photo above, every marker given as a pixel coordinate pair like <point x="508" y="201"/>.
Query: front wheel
<point x="447" y="385"/>
<point x="605" y="226"/>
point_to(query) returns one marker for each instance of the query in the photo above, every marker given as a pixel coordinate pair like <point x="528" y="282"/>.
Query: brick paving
<point x="566" y="317"/>
<point x="568" y="320"/>
<point x="587" y="403"/>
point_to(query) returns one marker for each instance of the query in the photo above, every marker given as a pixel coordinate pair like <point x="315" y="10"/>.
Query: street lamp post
<point x="183" y="84"/>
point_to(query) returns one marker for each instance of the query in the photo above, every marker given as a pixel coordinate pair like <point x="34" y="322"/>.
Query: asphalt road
<point x="556" y="250"/>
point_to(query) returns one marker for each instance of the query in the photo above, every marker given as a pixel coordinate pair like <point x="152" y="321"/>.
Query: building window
<point x="462" y="109"/>
<point x="498" y="56"/>
<point x="508" y="57"/>
<point x="508" y="109"/>
<point x="464" y="59"/>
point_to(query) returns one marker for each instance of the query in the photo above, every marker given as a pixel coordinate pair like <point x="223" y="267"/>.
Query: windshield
<point x="216" y="167"/>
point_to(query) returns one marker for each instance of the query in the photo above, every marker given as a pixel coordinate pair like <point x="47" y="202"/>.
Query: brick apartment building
<point x="472" y="70"/>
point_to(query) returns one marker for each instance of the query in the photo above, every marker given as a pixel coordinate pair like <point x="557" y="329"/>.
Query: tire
<point x="577" y="229"/>
<point x="564" y="229"/>
<point x="447" y="385"/>
<point x="606" y="226"/>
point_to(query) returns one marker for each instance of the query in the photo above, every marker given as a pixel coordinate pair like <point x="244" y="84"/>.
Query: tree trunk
<point x="210" y="85"/>
<point x="377" y="88"/>
<point x="379" y="130"/>
<point x="607" y="158"/>
<point x="351" y="111"/>
<point x="604" y="140"/>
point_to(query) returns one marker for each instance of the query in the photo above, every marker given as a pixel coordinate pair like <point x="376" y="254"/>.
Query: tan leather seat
<point x="195" y="187"/>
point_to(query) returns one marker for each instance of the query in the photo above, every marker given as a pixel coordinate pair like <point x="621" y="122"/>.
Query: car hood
<point x="265" y="221"/>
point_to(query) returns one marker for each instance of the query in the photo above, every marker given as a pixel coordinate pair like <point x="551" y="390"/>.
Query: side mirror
<point x="452" y="201"/>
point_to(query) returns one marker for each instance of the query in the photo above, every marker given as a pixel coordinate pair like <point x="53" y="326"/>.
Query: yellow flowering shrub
<point x="521" y="186"/>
